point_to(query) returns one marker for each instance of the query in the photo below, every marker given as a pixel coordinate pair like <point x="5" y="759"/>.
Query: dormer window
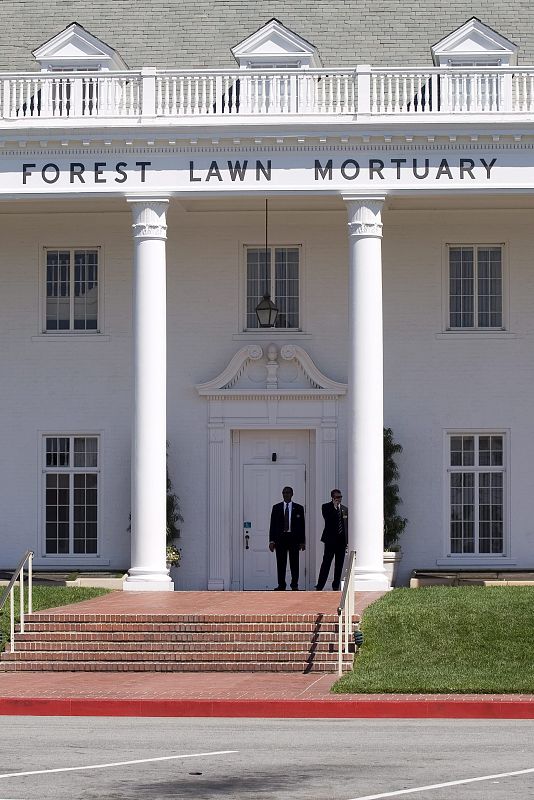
<point x="474" y="44"/>
<point x="75" y="49"/>
<point x="475" y="53"/>
<point x="276" y="47"/>
<point x="273" y="48"/>
<point x="72" y="50"/>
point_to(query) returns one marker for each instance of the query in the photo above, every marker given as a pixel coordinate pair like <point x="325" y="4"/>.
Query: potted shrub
<point x="174" y="516"/>
<point x="394" y="524"/>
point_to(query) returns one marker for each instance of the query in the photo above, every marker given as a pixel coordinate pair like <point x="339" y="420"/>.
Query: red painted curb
<point x="316" y="709"/>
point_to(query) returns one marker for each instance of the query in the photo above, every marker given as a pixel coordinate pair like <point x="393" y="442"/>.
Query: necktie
<point x="340" y="522"/>
<point x="286" y="519"/>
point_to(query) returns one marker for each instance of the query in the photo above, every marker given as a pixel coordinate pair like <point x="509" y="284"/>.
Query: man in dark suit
<point x="335" y="537"/>
<point x="287" y="537"/>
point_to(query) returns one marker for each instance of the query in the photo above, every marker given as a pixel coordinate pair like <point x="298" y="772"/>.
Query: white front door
<point x="262" y="488"/>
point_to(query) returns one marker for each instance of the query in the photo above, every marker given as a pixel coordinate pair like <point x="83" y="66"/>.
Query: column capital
<point x="365" y="214"/>
<point x="149" y="217"/>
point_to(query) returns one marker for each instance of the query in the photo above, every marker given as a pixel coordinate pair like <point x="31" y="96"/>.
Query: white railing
<point x="345" y="614"/>
<point x="71" y="95"/>
<point x="260" y="93"/>
<point x="10" y="592"/>
<point x="358" y="93"/>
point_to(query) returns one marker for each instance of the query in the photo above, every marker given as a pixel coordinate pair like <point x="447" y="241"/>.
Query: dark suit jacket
<point x="298" y="528"/>
<point x="330" y="534"/>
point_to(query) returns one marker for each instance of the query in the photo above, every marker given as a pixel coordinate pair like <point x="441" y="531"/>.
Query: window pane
<point x="462" y="512"/>
<point x="85" y="451"/>
<point x="57" y="513"/>
<point x="461" y="287"/>
<point x="489" y="287"/>
<point x="258" y="281"/>
<point x="491" y="512"/>
<point x="57" y="451"/>
<point x="57" y="290"/>
<point x="286" y="292"/>
<point x="85" y="513"/>
<point x="85" y="289"/>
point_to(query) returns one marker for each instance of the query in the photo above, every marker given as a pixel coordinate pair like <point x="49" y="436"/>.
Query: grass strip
<point x="44" y="597"/>
<point x="447" y="640"/>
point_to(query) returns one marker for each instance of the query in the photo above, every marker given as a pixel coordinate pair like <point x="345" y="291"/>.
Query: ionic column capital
<point x="149" y="217"/>
<point x="365" y="215"/>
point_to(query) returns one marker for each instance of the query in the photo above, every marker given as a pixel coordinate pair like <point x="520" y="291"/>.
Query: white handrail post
<point x="30" y="584"/>
<point x="339" y="640"/>
<point x="504" y="92"/>
<point x="6" y="98"/>
<point x="12" y="617"/>
<point x="148" y="94"/>
<point x="21" y="598"/>
<point x="363" y="83"/>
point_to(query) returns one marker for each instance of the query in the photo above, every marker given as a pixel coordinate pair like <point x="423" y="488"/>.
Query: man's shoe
<point x="279" y="589"/>
<point x="294" y="588"/>
<point x="318" y="589"/>
<point x="336" y="588"/>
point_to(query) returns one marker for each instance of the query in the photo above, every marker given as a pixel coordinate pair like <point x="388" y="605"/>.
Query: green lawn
<point x="447" y="639"/>
<point x="45" y="597"/>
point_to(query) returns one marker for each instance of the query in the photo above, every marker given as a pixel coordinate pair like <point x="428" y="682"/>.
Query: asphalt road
<point x="200" y="759"/>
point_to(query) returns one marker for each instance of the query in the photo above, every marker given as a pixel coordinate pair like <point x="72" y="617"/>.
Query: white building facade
<point x="144" y="214"/>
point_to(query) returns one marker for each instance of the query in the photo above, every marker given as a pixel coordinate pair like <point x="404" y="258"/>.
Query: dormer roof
<point x="474" y="41"/>
<point x="275" y="44"/>
<point x="75" y="48"/>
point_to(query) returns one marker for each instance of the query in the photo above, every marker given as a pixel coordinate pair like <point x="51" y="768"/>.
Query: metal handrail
<point x="10" y="591"/>
<point x="345" y="613"/>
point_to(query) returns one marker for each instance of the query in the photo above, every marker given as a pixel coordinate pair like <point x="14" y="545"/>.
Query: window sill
<point x="270" y="333"/>
<point x="475" y="561"/>
<point x="41" y="337"/>
<point x="476" y="335"/>
<point x="70" y="561"/>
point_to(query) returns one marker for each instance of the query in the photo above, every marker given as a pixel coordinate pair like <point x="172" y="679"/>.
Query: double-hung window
<point x="275" y="271"/>
<point x="475" y="287"/>
<point x="476" y="474"/>
<point x="71" y="296"/>
<point x="71" y="468"/>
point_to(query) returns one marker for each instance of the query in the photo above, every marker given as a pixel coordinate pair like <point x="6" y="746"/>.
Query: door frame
<point x="312" y="406"/>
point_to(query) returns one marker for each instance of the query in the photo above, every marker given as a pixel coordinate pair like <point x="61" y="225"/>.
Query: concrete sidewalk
<point x="233" y="695"/>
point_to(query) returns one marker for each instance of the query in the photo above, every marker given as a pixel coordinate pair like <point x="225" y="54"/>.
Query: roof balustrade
<point x="164" y="96"/>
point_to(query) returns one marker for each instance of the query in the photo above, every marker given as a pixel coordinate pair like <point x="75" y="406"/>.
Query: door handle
<point x="247" y="537"/>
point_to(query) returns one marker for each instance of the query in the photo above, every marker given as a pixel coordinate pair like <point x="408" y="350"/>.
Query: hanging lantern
<point x="266" y="310"/>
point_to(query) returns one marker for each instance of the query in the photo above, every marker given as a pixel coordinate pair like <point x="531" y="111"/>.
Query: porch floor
<point x="287" y="602"/>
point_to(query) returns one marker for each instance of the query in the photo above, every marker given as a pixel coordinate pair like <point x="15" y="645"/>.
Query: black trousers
<point x="282" y="551"/>
<point x="331" y="551"/>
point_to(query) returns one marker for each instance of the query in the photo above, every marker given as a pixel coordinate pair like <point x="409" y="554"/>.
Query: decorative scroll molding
<point x="237" y="380"/>
<point x="365" y="216"/>
<point x="149" y="218"/>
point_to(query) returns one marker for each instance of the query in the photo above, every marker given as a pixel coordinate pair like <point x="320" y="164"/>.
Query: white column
<point x="148" y="571"/>
<point x="365" y="393"/>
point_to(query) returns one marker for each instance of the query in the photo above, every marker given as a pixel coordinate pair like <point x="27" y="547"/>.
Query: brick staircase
<point x="92" y="642"/>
